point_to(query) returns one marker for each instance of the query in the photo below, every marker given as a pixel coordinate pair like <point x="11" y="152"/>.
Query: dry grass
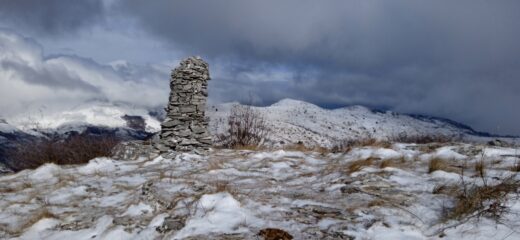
<point x="516" y="167"/>
<point x="39" y="215"/>
<point x="302" y="148"/>
<point x="248" y="147"/>
<point x="441" y="164"/>
<point x="215" y="163"/>
<point x="359" y="164"/>
<point x="347" y="144"/>
<point x="31" y="220"/>
<point x="483" y="200"/>
<point x="376" y="203"/>
<point x="480" y="168"/>
<point x="398" y="163"/>
<point x="223" y="186"/>
<point x="7" y="189"/>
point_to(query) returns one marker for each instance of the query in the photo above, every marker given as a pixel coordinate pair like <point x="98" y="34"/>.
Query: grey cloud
<point x="50" y="17"/>
<point x="53" y="77"/>
<point x="454" y="59"/>
<point x="29" y="80"/>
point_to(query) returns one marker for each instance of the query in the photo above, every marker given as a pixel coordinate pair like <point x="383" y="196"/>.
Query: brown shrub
<point x="423" y="139"/>
<point x="73" y="150"/>
<point x="445" y="189"/>
<point x="246" y="127"/>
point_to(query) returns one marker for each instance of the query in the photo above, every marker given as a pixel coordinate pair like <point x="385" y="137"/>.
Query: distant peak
<point x="292" y="102"/>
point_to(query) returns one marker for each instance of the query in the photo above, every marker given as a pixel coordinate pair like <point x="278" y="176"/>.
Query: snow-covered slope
<point x="293" y="121"/>
<point x="231" y="194"/>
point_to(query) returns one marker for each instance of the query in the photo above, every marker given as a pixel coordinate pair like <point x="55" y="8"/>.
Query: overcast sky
<point x="452" y="59"/>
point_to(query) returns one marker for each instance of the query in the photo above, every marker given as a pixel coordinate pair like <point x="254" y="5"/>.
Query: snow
<point x="136" y="210"/>
<point x="310" y="195"/>
<point x="445" y="153"/>
<point x="98" y="165"/>
<point x="46" y="172"/>
<point x="218" y="212"/>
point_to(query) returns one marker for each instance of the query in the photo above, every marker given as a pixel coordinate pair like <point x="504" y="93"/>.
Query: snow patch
<point x="216" y="213"/>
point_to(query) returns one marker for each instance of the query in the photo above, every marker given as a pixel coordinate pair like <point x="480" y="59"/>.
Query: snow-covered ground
<point x="232" y="194"/>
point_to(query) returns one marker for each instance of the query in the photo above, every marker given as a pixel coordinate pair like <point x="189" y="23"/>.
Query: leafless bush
<point x="73" y="150"/>
<point x="423" y="139"/>
<point x="246" y="127"/>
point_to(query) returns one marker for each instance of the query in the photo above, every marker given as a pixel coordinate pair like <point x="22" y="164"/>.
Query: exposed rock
<point x="132" y="150"/>
<point x="135" y="122"/>
<point x="497" y="143"/>
<point x="185" y="127"/>
<point x="171" y="224"/>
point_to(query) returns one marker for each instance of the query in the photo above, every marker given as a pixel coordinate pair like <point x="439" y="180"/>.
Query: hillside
<point x="293" y="121"/>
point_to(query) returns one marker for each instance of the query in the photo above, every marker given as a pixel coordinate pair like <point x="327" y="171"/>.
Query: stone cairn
<point x="185" y="127"/>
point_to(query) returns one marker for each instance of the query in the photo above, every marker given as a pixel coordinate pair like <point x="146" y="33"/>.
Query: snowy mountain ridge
<point x="290" y="121"/>
<point x="293" y="121"/>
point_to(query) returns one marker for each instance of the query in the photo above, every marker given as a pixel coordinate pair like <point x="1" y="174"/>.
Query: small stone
<point x="171" y="224"/>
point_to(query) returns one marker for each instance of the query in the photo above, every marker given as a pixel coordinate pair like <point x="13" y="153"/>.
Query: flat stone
<point x="171" y="123"/>
<point x="189" y="109"/>
<point x="185" y="142"/>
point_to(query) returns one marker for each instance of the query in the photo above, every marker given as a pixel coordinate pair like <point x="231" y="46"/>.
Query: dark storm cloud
<point x="50" y="17"/>
<point x="456" y="59"/>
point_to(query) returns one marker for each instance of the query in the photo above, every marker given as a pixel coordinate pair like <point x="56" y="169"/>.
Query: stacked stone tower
<point x="185" y="127"/>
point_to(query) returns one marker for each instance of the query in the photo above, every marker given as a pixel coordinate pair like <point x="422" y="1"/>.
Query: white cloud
<point x="30" y="81"/>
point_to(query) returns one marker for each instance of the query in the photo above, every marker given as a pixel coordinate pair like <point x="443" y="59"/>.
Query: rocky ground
<point x="373" y="192"/>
